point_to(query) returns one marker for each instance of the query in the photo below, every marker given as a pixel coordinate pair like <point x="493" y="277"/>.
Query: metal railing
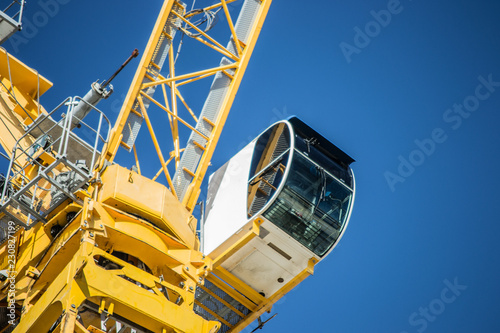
<point x="58" y="162"/>
<point x="10" y="19"/>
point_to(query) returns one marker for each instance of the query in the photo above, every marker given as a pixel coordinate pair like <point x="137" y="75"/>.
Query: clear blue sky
<point x="410" y="89"/>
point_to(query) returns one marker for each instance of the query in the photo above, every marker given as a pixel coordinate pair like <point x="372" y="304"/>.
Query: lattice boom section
<point x="213" y="105"/>
<point x="134" y="120"/>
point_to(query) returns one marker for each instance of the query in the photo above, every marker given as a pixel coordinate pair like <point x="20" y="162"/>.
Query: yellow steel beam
<point x="116" y="135"/>
<point x="195" y="79"/>
<point x="246" y="302"/>
<point x="20" y="90"/>
<point x="266" y="306"/>
<point x="218" y="49"/>
<point x="167" y="107"/>
<point x="210" y="71"/>
<point x="245" y="239"/>
<point x="239" y="285"/>
<point x="231" y="27"/>
<point x="137" y="161"/>
<point x="204" y="34"/>
<point x="190" y="199"/>
<point x="175" y="127"/>
<point x="161" y="168"/>
<point x="213" y="313"/>
<point x="185" y="123"/>
<point x="156" y="144"/>
<point x="177" y="92"/>
<point x="220" y="299"/>
<point x="217" y="5"/>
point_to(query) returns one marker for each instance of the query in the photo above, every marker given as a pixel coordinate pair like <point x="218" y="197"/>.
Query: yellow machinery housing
<point x="91" y="246"/>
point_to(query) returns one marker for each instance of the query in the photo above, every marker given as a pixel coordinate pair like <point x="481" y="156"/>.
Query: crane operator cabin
<point x="302" y="188"/>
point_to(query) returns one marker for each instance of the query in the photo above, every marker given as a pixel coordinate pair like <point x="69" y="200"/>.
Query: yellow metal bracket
<point x="245" y="239"/>
<point x="33" y="273"/>
<point x="269" y="302"/>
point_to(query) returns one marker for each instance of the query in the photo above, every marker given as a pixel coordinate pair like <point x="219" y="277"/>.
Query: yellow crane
<point x="92" y="246"/>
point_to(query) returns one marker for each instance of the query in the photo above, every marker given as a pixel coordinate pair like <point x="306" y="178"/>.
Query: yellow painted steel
<point x="20" y="89"/>
<point x="270" y="301"/>
<point x="136" y="161"/>
<point x="116" y="134"/>
<point x="231" y="26"/>
<point x="159" y="277"/>
<point x="210" y="7"/>
<point x="210" y="71"/>
<point x="217" y="46"/>
<point x="125" y="252"/>
<point x="139" y="89"/>
<point x="193" y="191"/>
<point x="155" y="141"/>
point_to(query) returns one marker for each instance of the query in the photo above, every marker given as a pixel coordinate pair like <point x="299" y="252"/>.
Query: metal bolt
<point x="187" y="268"/>
<point x="73" y="306"/>
<point x="191" y="288"/>
<point x="100" y="225"/>
<point x="91" y="234"/>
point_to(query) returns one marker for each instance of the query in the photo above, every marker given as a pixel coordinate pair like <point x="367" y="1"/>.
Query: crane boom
<point x="191" y="161"/>
<point x="88" y="245"/>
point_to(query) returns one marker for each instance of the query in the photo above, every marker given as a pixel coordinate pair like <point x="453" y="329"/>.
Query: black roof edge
<point x="324" y="145"/>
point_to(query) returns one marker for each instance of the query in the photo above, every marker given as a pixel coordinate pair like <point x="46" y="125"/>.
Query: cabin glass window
<point x="313" y="206"/>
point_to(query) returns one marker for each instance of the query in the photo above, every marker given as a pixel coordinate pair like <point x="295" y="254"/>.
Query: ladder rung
<point x="137" y="113"/>
<point x="228" y="75"/>
<point x="180" y="4"/>
<point x="191" y="173"/>
<point x="149" y="77"/>
<point x="209" y="121"/>
<point x="166" y="35"/>
<point x="125" y="145"/>
<point x="199" y="145"/>
<point x="155" y="65"/>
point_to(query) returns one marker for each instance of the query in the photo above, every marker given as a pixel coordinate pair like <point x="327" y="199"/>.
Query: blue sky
<point x="410" y="89"/>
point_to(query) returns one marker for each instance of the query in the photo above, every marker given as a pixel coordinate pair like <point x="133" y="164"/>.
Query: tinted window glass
<point x="313" y="206"/>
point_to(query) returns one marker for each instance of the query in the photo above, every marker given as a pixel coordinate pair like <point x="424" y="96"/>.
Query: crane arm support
<point x="192" y="154"/>
<point x="130" y="117"/>
<point x="195" y="161"/>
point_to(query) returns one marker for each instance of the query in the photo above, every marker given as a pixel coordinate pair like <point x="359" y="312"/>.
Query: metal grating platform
<point x="211" y="303"/>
